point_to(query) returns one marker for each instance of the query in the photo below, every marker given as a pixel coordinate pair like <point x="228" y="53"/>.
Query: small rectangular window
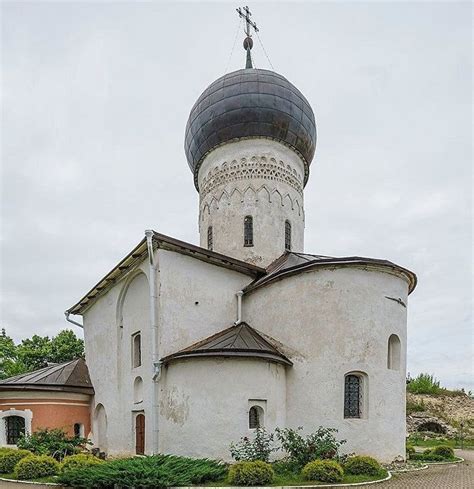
<point x="248" y="231"/>
<point x="287" y="236"/>
<point x="136" y="350"/>
<point x="210" y="243"/>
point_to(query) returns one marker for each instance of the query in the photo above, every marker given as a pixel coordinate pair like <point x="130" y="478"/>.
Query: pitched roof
<point x="72" y="376"/>
<point x="138" y="254"/>
<point x="291" y="263"/>
<point x="237" y="341"/>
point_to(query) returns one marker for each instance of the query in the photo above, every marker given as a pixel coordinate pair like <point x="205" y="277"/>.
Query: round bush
<point x="36" y="466"/>
<point x="323" y="471"/>
<point x="410" y="449"/>
<point x="444" y="451"/>
<point x="79" y="461"/>
<point x="360" y="465"/>
<point x="9" y="457"/>
<point x="254" y="473"/>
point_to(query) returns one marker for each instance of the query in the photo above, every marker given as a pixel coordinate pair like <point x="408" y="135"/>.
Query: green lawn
<point x="419" y="442"/>
<point x="41" y="479"/>
<point x="297" y="480"/>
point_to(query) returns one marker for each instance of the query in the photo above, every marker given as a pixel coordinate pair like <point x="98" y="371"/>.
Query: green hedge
<point x="79" y="461"/>
<point x="251" y="473"/>
<point x="427" y="457"/>
<point x="362" y="465"/>
<point x="323" y="471"/>
<point x="444" y="451"/>
<point x="9" y="457"/>
<point x="157" y="471"/>
<point x="35" y="467"/>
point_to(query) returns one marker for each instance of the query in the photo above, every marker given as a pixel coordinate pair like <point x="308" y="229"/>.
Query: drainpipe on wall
<point x="239" y="295"/>
<point x="67" y="314"/>
<point x="156" y="364"/>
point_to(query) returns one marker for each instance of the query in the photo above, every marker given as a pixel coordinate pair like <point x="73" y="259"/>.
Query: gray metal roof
<point x="237" y="341"/>
<point x="250" y="103"/>
<point x="72" y="376"/>
<point x="292" y="263"/>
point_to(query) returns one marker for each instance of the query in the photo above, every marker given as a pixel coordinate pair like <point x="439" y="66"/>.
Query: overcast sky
<point x="95" y="102"/>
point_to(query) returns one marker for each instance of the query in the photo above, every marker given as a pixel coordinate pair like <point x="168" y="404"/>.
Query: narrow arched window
<point x="353" y="396"/>
<point x="287" y="235"/>
<point x="248" y="231"/>
<point x="393" y="352"/>
<point x="209" y="238"/>
<point x="255" y="417"/>
<point x="136" y="350"/>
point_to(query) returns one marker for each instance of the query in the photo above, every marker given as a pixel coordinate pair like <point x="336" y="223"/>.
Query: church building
<point x="189" y="347"/>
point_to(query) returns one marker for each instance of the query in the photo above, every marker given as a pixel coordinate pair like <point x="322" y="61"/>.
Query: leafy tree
<point x="66" y="346"/>
<point x="36" y="352"/>
<point x="9" y="365"/>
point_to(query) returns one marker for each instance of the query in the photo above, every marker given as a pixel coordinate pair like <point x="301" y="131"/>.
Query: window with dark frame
<point x="287" y="235"/>
<point x="254" y="418"/>
<point x="248" y="231"/>
<point x="136" y="350"/>
<point x="209" y="238"/>
<point x="15" y="428"/>
<point x="352" y="396"/>
<point x="77" y="430"/>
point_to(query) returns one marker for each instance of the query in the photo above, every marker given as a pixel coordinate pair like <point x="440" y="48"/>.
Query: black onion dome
<point x="250" y="103"/>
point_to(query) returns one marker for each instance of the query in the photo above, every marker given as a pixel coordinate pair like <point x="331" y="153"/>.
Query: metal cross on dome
<point x="245" y="13"/>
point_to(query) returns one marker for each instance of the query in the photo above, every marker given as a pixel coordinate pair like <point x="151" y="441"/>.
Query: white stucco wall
<point x="195" y="299"/>
<point x="108" y="328"/>
<point x="256" y="177"/>
<point x="205" y="403"/>
<point x="331" y="322"/>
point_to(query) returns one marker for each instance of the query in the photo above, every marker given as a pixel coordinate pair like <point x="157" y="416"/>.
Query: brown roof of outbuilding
<point x="237" y="341"/>
<point x="72" y="376"/>
<point x="291" y="263"/>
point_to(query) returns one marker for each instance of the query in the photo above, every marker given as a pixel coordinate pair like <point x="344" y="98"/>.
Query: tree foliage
<point x="37" y="352"/>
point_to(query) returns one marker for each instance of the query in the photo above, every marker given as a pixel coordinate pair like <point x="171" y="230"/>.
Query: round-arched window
<point x="255" y="417"/>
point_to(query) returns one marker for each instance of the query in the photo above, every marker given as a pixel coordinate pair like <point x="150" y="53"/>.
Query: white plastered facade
<point x="330" y="321"/>
<point x="260" y="178"/>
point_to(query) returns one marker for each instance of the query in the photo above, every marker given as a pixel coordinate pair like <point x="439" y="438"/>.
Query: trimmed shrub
<point x="9" y="457"/>
<point x="361" y="465"/>
<point x="79" y="461"/>
<point x="427" y="457"/>
<point x="323" y="471"/>
<point x="256" y="473"/>
<point x="154" y="472"/>
<point x="444" y="451"/>
<point x="36" y="466"/>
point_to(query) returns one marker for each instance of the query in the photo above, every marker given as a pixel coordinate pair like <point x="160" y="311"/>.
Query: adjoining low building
<point x="57" y="396"/>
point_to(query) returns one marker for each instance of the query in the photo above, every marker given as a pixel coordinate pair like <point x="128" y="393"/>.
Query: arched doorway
<point x="140" y="434"/>
<point x="15" y="428"/>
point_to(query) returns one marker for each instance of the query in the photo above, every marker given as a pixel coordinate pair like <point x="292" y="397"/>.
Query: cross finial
<point x="248" y="42"/>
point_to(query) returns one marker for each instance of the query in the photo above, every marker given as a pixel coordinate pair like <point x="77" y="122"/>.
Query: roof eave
<point x="257" y="354"/>
<point x="410" y="277"/>
<point x="161" y="241"/>
<point x="56" y="388"/>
